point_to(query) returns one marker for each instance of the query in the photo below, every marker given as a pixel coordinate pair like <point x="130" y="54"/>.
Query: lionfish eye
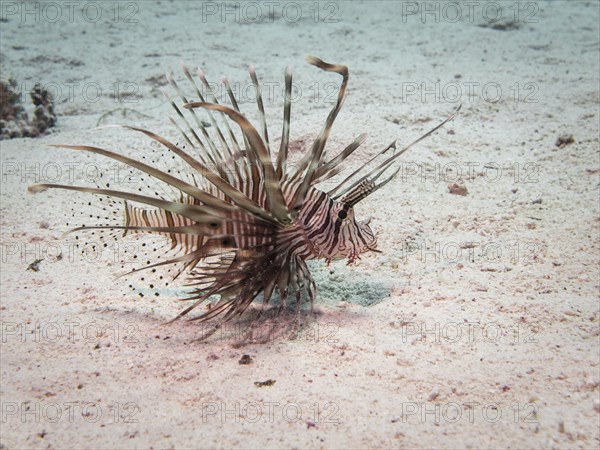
<point x="342" y="215"/>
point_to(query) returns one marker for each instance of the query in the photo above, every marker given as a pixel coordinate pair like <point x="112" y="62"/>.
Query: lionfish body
<point x="248" y="225"/>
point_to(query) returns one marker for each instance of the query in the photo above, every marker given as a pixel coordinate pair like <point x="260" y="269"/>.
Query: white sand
<point x="509" y="355"/>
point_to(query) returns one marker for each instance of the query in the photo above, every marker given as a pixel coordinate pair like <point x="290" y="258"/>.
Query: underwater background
<point x="477" y="325"/>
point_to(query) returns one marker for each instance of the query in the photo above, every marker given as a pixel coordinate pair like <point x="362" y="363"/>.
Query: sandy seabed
<point x="477" y="327"/>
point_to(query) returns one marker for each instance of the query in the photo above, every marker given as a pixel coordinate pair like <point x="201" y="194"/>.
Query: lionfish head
<point x="353" y="237"/>
<point x="358" y="234"/>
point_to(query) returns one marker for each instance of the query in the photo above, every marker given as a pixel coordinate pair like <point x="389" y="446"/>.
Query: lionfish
<point x="248" y="223"/>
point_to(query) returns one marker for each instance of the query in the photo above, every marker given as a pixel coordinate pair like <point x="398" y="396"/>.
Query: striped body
<point x="318" y="232"/>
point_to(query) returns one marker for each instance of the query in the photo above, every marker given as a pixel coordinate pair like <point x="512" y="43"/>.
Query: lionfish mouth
<point x="228" y="216"/>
